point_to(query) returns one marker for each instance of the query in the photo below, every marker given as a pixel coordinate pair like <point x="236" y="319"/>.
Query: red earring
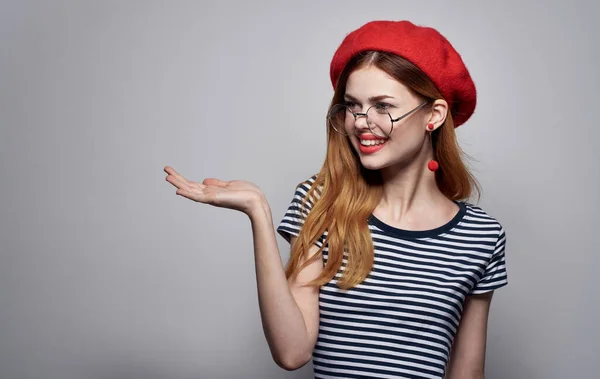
<point x="433" y="165"/>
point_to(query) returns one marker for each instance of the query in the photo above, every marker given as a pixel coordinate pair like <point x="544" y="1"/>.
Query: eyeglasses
<point x="377" y="117"/>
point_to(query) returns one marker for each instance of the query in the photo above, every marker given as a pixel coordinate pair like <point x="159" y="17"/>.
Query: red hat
<point x="424" y="47"/>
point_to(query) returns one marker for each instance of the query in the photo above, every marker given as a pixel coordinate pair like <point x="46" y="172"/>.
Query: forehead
<point x="372" y="81"/>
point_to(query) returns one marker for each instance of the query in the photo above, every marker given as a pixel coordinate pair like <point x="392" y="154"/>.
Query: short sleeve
<point x="495" y="275"/>
<point x="296" y="213"/>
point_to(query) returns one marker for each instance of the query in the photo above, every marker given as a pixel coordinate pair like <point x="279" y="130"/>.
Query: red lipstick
<point x="370" y="149"/>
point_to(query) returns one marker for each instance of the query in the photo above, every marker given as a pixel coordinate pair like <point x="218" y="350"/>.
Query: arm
<point x="289" y="310"/>
<point x="467" y="360"/>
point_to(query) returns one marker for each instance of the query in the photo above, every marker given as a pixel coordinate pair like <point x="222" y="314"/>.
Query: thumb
<point x="214" y="182"/>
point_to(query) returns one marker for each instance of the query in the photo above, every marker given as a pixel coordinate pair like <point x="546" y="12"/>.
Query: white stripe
<point x="404" y="296"/>
<point x="386" y="332"/>
<point x="316" y="360"/>
<point x="377" y="359"/>
<point x="362" y="306"/>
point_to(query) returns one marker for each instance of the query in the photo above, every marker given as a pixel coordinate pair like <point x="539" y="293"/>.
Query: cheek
<point x="352" y="141"/>
<point x="349" y="124"/>
<point x="406" y="140"/>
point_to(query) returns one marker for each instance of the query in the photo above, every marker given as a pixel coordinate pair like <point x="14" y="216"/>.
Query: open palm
<point x="236" y="194"/>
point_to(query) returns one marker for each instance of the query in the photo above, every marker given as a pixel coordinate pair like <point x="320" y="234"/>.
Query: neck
<point x="410" y="192"/>
<point x="412" y="186"/>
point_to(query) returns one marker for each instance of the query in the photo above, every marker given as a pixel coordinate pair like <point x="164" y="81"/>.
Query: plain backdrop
<point x="106" y="274"/>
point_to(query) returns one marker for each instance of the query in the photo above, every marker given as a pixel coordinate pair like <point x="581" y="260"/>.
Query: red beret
<point x="424" y="47"/>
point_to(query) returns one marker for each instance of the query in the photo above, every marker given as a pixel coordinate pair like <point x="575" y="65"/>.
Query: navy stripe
<point x="391" y="338"/>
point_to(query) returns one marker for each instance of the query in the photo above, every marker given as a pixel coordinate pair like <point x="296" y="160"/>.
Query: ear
<point x="439" y="111"/>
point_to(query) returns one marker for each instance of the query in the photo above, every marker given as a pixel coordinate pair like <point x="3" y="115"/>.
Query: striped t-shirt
<point x="401" y="321"/>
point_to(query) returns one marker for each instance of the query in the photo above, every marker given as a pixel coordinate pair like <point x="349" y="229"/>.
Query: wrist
<point x="258" y="207"/>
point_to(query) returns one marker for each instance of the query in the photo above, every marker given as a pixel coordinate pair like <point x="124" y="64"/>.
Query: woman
<point x="391" y="271"/>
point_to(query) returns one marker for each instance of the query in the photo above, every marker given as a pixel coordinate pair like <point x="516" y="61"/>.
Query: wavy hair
<point x="345" y="194"/>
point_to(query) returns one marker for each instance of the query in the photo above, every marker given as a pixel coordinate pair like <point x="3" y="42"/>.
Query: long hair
<point x="345" y="194"/>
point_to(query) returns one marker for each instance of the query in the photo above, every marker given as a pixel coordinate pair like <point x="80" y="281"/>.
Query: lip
<point x="367" y="136"/>
<point x="370" y="149"/>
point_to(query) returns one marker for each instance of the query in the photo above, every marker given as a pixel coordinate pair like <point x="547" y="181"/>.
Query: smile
<point x="370" y="144"/>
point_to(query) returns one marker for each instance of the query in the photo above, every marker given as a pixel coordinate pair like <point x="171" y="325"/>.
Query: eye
<point x="351" y="104"/>
<point x="383" y="106"/>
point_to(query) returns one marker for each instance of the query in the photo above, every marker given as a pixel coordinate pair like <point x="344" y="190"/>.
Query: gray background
<point x="106" y="273"/>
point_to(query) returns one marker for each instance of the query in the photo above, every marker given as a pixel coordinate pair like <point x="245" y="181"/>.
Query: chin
<point x="372" y="163"/>
<point x="378" y="163"/>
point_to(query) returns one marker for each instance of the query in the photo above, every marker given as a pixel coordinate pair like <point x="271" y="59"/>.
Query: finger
<point x="215" y="182"/>
<point x="189" y="195"/>
<point x="197" y="194"/>
<point x="171" y="171"/>
<point x="175" y="181"/>
<point x="185" y="193"/>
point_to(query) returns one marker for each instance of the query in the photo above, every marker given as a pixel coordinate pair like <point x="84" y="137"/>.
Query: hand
<point x="236" y="194"/>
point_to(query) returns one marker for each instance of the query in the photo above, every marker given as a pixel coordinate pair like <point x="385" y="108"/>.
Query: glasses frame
<point x="364" y="114"/>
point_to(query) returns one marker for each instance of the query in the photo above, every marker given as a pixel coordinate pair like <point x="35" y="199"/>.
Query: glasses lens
<point x="379" y="121"/>
<point x="337" y="117"/>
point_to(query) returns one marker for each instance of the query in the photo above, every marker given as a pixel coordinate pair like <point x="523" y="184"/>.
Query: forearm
<point x="465" y="365"/>
<point x="283" y="323"/>
<point x="466" y="374"/>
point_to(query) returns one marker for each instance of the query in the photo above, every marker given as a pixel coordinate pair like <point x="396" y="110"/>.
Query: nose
<point x="360" y="121"/>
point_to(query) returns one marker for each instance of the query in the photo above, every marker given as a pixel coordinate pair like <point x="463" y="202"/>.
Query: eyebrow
<point x="372" y="99"/>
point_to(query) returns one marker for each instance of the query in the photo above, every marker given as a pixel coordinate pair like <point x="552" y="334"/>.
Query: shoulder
<point x="482" y="220"/>
<point x="299" y="208"/>
<point x="303" y="190"/>
<point x="305" y="185"/>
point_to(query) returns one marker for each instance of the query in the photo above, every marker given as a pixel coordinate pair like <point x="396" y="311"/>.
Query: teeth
<point x="367" y="142"/>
